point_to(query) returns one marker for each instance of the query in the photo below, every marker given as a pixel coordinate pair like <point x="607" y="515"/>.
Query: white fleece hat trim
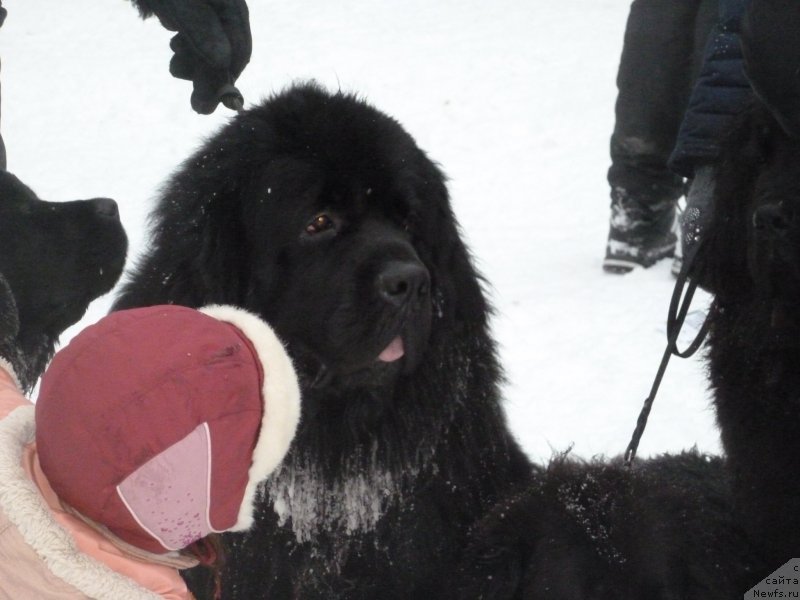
<point x="26" y="509"/>
<point x="281" y="397"/>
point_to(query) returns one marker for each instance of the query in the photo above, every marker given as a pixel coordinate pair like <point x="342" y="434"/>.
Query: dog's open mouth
<point x="394" y="351"/>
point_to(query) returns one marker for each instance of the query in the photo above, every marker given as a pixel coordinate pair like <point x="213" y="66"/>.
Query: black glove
<point x="9" y="330"/>
<point x="212" y="46"/>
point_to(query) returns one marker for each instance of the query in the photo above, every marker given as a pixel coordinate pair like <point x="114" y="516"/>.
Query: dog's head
<point x="321" y="214"/>
<point x="57" y="257"/>
<point x="753" y="239"/>
<point x="337" y="264"/>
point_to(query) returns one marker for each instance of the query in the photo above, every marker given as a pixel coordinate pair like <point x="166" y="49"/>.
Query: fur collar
<point x="26" y="509"/>
<point x="281" y="396"/>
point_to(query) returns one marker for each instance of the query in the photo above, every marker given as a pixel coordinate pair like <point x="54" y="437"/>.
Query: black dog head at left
<point x="56" y="257"/>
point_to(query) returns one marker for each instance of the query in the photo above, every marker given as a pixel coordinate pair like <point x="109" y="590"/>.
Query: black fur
<point x="57" y="257"/>
<point x="751" y="262"/>
<point x="687" y="526"/>
<point x="393" y="461"/>
<point x="600" y="531"/>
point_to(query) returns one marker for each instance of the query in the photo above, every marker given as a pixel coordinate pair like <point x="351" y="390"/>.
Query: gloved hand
<point x="212" y="46"/>
<point x="9" y="330"/>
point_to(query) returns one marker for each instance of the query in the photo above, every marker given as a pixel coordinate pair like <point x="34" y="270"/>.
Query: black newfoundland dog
<point x="687" y="526"/>
<point x="662" y="530"/>
<point x="56" y="257"/>
<point x="321" y="214"/>
<point x="751" y="262"/>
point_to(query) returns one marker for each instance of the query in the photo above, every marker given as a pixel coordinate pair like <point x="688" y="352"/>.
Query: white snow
<point x="514" y="98"/>
<point x="350" y="506"/>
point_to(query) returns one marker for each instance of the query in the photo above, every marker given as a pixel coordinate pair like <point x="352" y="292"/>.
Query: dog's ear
<point x="197" y="252"/>
<point x="458" y="295"/>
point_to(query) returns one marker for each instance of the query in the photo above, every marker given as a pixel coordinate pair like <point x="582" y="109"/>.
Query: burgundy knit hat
<point x="160" y="422"/>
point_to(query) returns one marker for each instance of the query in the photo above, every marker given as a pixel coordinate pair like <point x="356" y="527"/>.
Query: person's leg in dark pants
<point x="663" y="43"/>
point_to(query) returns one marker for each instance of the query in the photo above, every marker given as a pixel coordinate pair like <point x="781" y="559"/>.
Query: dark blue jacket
<point x="721" y="92"/>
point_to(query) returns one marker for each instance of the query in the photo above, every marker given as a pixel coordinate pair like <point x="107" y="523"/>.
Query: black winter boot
<point x="640" y="233"/>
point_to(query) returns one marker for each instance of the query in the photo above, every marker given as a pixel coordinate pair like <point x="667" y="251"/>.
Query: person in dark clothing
<point x="720" y="93"/>
<point x="721" y="90"/>
<point x="754" y="52"/>
<point x="662" y="52"/>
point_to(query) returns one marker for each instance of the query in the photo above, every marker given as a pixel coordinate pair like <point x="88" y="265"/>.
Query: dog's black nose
<point x="401" y="281"/>
<point x="105" y="207"/>
<point x="772" y="218"/>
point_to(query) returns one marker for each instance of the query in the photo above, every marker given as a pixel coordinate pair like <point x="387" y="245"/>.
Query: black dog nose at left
<point x="105" y="207"/>
<point x="772" y="218"/>
<point x="402" y="281"/>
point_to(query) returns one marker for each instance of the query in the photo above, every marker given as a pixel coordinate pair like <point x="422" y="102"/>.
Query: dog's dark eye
<point x="318" y="224"/>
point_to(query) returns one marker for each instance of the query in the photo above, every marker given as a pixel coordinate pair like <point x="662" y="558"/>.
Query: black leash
<point x="675" y="319"/>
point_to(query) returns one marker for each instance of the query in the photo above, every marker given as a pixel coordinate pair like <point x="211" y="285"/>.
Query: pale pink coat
<point x="48" y="553"/>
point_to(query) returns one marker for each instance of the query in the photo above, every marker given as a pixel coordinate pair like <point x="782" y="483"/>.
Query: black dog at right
<point x="751" y="263"/>
<point x="720" y="533"/>
<point x="662" y="530"/>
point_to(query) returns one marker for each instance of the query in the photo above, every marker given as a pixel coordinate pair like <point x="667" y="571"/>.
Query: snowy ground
<point x="514" y="98"/>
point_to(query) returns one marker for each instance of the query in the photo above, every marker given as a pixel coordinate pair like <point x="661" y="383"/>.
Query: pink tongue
<point x="393" y="351"/>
